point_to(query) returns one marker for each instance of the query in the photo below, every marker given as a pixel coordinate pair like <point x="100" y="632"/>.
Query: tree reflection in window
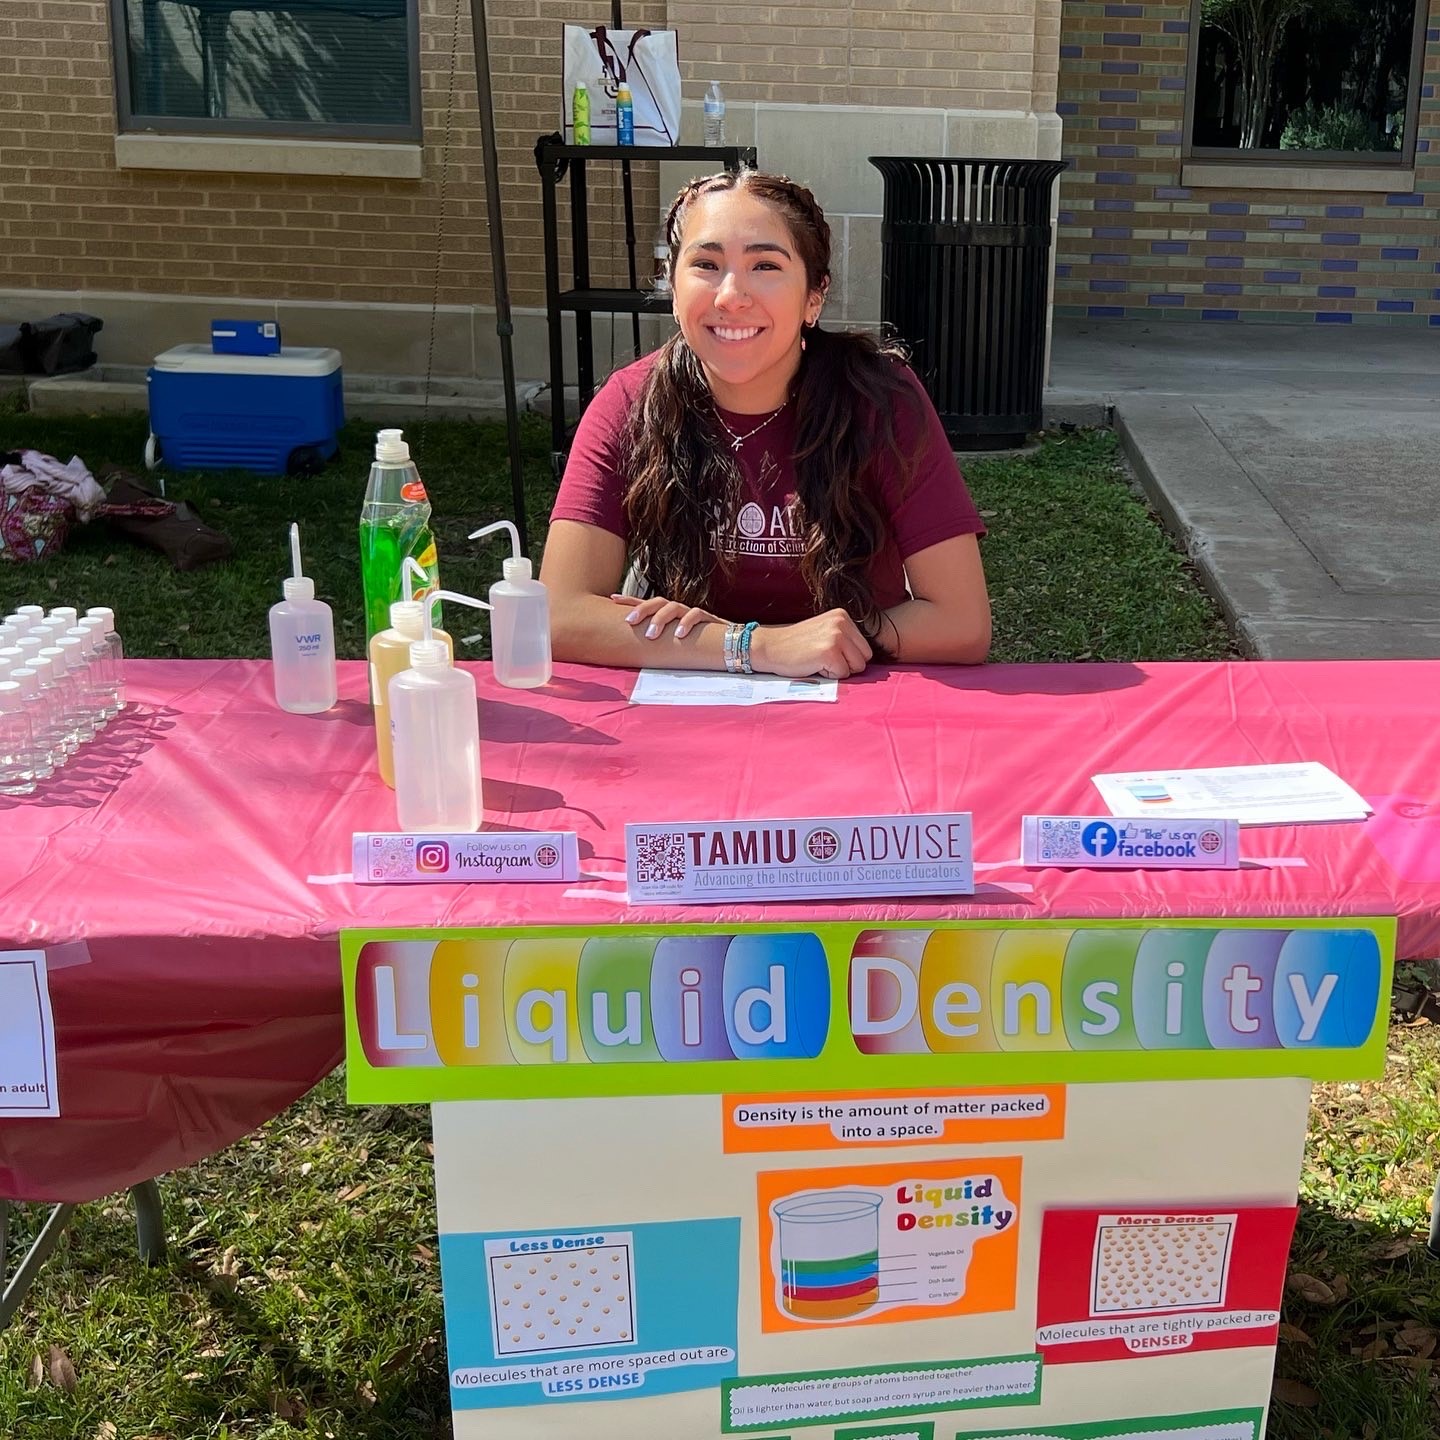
<point x="1327" y="76"/>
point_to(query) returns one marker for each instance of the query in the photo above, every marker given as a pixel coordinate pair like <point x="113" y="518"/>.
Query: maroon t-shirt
<point x="763" y="538"/>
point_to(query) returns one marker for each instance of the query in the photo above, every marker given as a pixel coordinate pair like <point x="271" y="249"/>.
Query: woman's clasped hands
<point x="828" y="645"/>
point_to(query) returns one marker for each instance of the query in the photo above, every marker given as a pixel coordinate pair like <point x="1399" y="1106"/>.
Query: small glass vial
<point x="17" y="742"/>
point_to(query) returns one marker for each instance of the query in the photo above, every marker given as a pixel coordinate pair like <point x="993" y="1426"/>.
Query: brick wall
<point x="816" y="87"/>
<point x="72" y="220"/>
<point x="1135" y="240"/>
<point x="943" y="54"/>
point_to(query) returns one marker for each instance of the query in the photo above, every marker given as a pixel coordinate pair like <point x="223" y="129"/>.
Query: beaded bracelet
<point x="747" y="630"/>
<point x="732" y="646"/>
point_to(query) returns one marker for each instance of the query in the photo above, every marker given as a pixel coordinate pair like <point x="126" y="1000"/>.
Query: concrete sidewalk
<point x="1299" y="466"/>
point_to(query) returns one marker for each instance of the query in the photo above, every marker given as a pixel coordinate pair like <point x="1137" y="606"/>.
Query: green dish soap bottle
<point x="394" y="527"/>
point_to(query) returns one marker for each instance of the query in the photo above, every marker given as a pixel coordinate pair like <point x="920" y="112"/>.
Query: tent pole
<point x="504" y="328"/>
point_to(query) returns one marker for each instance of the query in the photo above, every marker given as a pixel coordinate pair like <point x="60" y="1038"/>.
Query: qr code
<point x="1060" y="839"/>
<point x="659" y="858"/>
<point x="392" y="856"/>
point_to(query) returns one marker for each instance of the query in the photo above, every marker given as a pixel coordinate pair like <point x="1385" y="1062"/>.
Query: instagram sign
<point x="432" y="856"/>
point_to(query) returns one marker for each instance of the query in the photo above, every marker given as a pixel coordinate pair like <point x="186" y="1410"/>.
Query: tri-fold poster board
<point x="845" y="1181"/>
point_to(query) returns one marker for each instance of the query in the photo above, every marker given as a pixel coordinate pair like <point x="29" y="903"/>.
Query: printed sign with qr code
<point x="1105" y="842"/>
<point x="822" y="858"/>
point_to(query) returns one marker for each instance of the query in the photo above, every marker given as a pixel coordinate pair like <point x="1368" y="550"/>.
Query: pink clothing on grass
<point x="762" y="539"/>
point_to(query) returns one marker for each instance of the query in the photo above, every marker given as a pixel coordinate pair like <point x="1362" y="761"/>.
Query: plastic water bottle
<point x="714" y="115"/>
<point x="624" y="116"/>
<point x="394" y="526"/>
<point x="17" y="744"/>
<point x="116" y="651"/>
<point x="519" y="619"/>
<point x="48" y="754"/>
<point x="302" y="643"/>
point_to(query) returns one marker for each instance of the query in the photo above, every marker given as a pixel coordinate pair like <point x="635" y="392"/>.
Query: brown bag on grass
<point x="165" y="525"/>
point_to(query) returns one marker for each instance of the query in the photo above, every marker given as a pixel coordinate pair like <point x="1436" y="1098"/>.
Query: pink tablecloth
<point x="184" y="880"/>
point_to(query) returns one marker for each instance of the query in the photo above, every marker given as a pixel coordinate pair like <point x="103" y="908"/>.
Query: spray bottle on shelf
<point x="519" y="619"/>
<point x="580" y="114"/>
<point x="624" y="116"/>
<point x="435" y="728"/>
<point x="394" y="524"/>
<point x="302" y="643"/>
<point x="390" y="654"/>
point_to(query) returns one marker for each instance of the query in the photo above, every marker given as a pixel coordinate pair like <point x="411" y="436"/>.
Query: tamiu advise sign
<point x="835" y="1180"/>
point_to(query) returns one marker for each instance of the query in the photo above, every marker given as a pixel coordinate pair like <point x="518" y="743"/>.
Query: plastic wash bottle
<point x="394" y="525"/>
<point x="389" y="655"/>
<point x="302" y="643"/>
<point x="519" y="619"/>
<point x="435" y="729"/>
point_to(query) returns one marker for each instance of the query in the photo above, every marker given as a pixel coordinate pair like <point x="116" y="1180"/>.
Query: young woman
<point x="785" y="495"/>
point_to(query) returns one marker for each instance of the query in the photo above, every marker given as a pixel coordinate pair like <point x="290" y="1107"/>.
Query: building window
<point x="1296" y="81"/>
<point x="320" y="69"/>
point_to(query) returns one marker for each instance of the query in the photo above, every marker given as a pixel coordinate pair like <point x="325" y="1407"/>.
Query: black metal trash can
<point x="964" y="282"/>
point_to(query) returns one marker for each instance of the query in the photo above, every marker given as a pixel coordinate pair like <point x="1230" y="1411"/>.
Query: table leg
<point x="25" y="1273"/>
<point x="149" y="1222"/>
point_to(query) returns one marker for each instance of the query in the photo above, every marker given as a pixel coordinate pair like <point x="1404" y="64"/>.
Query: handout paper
<point x="1252" y="794"/>
<point x="705" y="687"/>
<point x="27" y="1038"/>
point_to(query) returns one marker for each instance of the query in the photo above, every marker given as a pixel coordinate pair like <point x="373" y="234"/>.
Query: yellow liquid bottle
<point x="389" y="655"/>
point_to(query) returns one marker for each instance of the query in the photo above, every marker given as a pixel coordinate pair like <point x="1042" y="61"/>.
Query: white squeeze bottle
<point x="390" y="654"/>
<point x="519" y="619"/>
<point x="435" y="728"/>
<point x="302" y="643"/>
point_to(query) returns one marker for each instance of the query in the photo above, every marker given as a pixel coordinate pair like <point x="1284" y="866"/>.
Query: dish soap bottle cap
<point x="391" y="448"/>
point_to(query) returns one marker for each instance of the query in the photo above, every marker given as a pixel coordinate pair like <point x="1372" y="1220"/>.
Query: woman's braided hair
<point x="682" y="478"/>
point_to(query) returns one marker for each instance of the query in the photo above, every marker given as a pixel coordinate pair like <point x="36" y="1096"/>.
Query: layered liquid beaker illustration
<point x="829" y="1253"/>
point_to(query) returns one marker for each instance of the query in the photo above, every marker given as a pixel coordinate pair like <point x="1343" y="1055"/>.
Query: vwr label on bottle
<point x="428" y="859"/>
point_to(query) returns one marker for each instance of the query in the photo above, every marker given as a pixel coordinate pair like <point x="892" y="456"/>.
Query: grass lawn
<point x="301" y="1297"/>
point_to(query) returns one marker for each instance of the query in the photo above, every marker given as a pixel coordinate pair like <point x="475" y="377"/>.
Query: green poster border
<point x="924" y="1429"/>
<point x="1110" y="1429"/>
<point x="900" y="1412"/>
<point x="840" y="1065"/>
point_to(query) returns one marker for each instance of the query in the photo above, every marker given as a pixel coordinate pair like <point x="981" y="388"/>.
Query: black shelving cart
<point x="554" y="158"/>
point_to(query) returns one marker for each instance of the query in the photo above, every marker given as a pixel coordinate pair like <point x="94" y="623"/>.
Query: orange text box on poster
<point x="942" y="1237"/>
<point x="843" y="1119"/>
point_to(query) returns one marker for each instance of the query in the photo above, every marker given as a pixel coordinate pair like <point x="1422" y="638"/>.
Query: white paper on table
<point x="706" y="687"/>
<point x="1252" y="794"/>
<point x="27" y="1038"/>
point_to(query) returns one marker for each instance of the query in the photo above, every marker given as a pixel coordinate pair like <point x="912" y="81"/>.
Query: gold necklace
<point x="736" y="441"/>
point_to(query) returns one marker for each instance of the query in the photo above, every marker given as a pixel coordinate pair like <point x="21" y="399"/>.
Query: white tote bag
<point x="602" y="59"/>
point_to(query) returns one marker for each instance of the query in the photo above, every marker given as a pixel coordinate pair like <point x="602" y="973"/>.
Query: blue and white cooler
<point x="274" y="414"/>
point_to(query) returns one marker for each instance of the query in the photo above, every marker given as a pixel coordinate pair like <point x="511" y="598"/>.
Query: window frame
<point x="129" y="122"/>
<point x="1401" y="159"/>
